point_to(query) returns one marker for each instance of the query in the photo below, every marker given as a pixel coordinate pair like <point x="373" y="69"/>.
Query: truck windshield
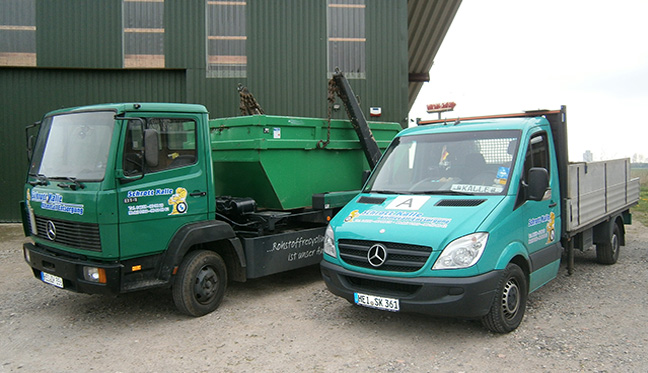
<point x="73" y="146"/>
<point x="475" y="162"/>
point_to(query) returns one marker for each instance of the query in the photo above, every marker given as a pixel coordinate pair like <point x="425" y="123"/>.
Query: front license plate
<point x="52" y="280"/>
<point x="381" y="303"/>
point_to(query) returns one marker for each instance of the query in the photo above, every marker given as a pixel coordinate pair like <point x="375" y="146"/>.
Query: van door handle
<point x="551" y="205"/>
<point x="198" y="194"/>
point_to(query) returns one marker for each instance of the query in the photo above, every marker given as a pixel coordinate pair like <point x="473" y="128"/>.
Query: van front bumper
<point x="466" y="297"/>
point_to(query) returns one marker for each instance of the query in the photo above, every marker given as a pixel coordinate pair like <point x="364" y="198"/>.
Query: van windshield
<point x="475" y="162"/>
<point x="73" y="146"/>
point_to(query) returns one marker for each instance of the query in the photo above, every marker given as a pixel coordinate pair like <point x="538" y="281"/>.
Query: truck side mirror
<point x="31" y="139"/>
<point x="151" y="146"/>
<point x="365" y="176"/>
<point x="538" y="183"/>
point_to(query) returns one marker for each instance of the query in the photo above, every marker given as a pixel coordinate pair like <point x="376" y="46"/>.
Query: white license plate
<point x="381" y="303"/>
<point x="52" y="280"/>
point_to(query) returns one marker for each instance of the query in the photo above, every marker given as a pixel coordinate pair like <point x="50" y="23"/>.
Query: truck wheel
<point x="509" y="305"/>
<point x="608" y="252"/>
<point x="200" y="283"/>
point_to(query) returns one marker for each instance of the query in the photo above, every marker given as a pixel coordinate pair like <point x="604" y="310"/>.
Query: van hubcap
<point x="510" y="299"/>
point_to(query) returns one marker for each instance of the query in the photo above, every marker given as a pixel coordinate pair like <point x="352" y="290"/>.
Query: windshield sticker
<point x="466" y="188"/>
<point x="548" y="232"/>
<point x="54" y="202"/>
<point x="407" y="203"/>
<point x="397" y="217"/>
<point x="503" y="173"/>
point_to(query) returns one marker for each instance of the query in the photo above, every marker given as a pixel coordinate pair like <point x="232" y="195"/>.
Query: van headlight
<point x="329" y="242"/>
<point x="462" y="252"/>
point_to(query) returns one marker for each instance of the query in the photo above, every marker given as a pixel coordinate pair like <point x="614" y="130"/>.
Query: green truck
<point x="132" y="196"/>
<point x="464" y="218"/>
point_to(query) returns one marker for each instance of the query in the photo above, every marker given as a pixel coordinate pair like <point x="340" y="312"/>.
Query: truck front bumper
<point x="71" y="270"/>
<point x="469" y="297"/>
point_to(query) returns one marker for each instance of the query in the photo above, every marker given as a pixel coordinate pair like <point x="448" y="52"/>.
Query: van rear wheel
<point x="508" y="307"/>
<point x="200" y="284"/>
<point x="608" y="252"/>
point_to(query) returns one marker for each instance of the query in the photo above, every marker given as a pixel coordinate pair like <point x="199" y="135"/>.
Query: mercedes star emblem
<point x="377" y="255"/>
<point x="51" y="230"/>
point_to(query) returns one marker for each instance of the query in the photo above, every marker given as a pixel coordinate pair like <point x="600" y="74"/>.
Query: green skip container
<point x="280" y="162"/>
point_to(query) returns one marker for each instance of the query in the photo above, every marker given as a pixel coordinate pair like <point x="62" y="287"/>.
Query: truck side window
<point x="537" y="154"/>
<point x="177" y="145"/>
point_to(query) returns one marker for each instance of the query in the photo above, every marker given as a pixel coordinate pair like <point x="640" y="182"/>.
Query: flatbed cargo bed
<point x="598" y="190"/>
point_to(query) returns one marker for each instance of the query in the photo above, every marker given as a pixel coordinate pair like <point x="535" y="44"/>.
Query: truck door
<point x="157" y="197"/>
<point x="541" y="219"/>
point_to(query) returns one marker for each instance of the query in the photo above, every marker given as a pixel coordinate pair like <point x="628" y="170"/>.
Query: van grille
<point x="376" y="286"/>
<point x="400" y="257"/>
<point x="84" y="236"/>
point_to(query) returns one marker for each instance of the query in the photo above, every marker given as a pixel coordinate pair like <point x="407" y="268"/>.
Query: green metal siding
<point x="287" y="56"/>
<point x="387" y="77"/>
<point x="80" y="61"/>
<point x="185" y="34"/>
<point x="73" y="33"/>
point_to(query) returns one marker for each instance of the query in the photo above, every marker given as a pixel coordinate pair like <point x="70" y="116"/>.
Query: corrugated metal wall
<point x="80" y="59"/>
<point x="287" y="56"/>
<point x="84" y="34"/>
<point x="387" y="76"/>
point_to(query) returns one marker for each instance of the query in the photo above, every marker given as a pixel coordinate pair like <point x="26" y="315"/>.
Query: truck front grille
<point x="400" y="257"/>
<point x="84" y="236"/>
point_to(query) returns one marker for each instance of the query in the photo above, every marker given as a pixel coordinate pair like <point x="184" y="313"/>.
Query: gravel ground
<point x="592" y="321"/>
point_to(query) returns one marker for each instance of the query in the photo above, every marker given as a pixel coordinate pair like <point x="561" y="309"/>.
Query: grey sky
<point x="509" y="56"/>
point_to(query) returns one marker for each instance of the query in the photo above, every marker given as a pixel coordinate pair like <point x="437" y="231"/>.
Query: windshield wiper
<point x="446" y="192"/>
<point x="75" y="183"/>
<point x="442" y="192"/>
<point x="41" y="180"/>
<point x="383" y="192"/>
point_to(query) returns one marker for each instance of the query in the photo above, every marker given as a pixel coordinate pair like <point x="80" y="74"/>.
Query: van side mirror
<point x="151" y="146"/>
<point x="537" y="183"/>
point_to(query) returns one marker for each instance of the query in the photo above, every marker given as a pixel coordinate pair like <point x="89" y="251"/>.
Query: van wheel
<point x="608" y="252"/>
<point x="200" y="283"/>
<point x="509" y="305"/>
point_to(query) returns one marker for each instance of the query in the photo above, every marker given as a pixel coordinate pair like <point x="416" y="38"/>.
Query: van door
<point x="158" y="196"/>
<point x="541" y="219"/>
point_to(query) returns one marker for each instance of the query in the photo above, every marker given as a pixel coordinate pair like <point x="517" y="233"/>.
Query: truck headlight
<point x="462" y="252"/>
<point x="94" y="274"/>
<point x="329" y="242"/>
<point x="27" y="255"/>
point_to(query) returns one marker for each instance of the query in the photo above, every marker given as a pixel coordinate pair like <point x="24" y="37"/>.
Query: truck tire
<point x="509" y="304"/>
<point x="608" y="252"/>
<point x="200" y="283"/>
